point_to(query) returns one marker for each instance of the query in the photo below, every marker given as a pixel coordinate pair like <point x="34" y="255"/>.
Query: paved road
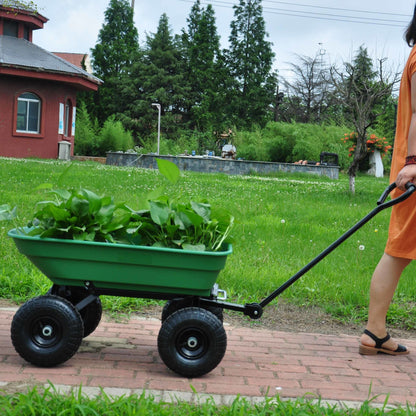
<point x="122" y="358"/>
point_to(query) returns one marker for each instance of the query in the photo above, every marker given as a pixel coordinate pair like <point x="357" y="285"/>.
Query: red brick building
<point x="37" y="90"/>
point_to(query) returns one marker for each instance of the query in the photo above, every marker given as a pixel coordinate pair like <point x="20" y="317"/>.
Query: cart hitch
<point x="253" y="310"/>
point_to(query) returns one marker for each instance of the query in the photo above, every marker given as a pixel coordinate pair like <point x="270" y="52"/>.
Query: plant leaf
<point x="159" y="212"/>
<point x="169" y="170"/>
<point x="202" y="209"/>
<point x="194" y="247"/>
<point x="80" y="207"/>
<point x="93" y="199"/>
<point x="6" y="213"/>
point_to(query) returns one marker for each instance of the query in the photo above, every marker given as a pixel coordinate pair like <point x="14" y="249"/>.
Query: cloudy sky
<point x="334" y="29"/>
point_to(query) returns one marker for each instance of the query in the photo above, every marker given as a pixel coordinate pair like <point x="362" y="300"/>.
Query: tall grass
<point x="282" y="222"/>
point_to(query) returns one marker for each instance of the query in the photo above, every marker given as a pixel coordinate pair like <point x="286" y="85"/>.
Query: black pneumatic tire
<point x="192" y="342"/>
<point x="91" y="314"/>
<point x="172" y="306"/>
<point x="47" y="331"/>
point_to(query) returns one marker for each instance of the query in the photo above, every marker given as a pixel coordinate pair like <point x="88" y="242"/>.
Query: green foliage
<point x="290" y="142"/>
<point x="49" y="402"/>
<point x="86" y="134"/>
<point x="91" y="140"/>
<point x="282" y="221"/>
<point x="84" y="216"/>
<point x="116" y="49"/>
<point x="113" y="137"/>
<point x="250" y="58"/>
<point x="202" y="49"/>
<point x="157" y="76"/>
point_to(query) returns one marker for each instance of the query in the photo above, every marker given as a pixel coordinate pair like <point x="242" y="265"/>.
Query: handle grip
<point x="410" y="188"/>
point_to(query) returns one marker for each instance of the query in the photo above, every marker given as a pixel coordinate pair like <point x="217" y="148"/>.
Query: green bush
<point x="113" y="137"/>
<point x="90" y="140"/>
<point x="86" y="134"/>
<point x="187" y="141"/>
<point x="290" y="142"/>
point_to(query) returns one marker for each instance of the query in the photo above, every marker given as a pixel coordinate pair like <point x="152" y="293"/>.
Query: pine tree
<point x="250" y="60"/>
<point x="157" y="77"/>
<point x="202" y="49"/>
<point x="116" y="49"/>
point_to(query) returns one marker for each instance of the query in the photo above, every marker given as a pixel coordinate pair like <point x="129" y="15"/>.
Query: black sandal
<point x="366" y="350"/>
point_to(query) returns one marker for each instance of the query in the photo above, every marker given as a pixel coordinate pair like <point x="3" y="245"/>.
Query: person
<point x="401" y="243"/>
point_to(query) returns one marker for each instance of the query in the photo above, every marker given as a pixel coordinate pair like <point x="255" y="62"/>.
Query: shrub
<point x="289" y="142"/>
<point x="113" y="137"/>
<point x="86" y="133"/>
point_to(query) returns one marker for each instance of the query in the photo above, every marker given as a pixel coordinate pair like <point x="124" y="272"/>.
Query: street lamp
<point x="159" y="108"/>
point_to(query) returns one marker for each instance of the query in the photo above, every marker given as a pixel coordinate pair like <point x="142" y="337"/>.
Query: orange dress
<point x="402" y="230"/>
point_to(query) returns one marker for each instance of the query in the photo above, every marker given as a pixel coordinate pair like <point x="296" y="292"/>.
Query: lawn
<point x="282" y="222"/>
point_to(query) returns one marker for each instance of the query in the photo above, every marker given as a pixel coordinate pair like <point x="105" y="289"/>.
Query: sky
<point x="332" y="29"/>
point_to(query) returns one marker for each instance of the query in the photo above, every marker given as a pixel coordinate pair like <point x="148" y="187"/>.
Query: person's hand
<point x="407" y="174"/>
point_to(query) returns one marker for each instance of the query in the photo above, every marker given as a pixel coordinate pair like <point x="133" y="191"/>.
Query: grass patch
<point x="282" y="222"/>
<point x="51" y="403"/>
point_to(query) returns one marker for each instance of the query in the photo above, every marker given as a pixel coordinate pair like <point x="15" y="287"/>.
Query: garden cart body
<point x="48" y="330"/>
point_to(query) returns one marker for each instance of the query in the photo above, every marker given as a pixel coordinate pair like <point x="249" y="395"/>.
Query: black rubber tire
<point x="172" y="306"/>
<point x="192" y="342"/>
<point x="91" y="314"/>
<point x="47" y="330"/>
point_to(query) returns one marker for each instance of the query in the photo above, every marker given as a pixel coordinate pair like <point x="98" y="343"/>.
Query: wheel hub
<point x="192" y="342"/>
<point x="47" y="331"/>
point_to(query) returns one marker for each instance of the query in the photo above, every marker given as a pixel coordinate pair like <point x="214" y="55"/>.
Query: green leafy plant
<point x="81" y="214"/>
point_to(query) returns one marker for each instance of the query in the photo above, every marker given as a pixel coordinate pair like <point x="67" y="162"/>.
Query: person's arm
<point x="408" y="173"/>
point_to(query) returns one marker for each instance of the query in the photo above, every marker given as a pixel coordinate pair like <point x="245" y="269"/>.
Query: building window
<point x="26" y="33"/>
<point x="28" y="113"/>
<point x="10" y="28"/>
<point x="67" y="117"/>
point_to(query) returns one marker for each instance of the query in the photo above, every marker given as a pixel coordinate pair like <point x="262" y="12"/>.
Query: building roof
<point x="15" y="10"/>
<point x="16" y="4"/>
<point x="27" y="59"/>
<point x="77" y="59"/>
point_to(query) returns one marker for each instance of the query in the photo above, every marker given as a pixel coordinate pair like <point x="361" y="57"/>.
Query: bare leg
<point x="383" y="284"/>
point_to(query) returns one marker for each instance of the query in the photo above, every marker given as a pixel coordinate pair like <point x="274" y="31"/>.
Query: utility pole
<point x="132" y="4"/>
<point x="159" y="108"/>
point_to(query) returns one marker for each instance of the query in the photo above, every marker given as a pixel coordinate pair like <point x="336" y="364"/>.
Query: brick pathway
<point x="123" y="358"/>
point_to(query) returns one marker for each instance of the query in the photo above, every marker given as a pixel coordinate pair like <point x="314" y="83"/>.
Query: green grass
<point x="51" y="403"/>
<point x="282" y="222"/>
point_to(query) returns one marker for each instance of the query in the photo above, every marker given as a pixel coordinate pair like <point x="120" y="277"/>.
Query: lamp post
<point x="159" y="108"/>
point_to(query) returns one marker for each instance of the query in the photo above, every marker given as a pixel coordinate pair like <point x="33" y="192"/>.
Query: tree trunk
<point x="352" y="184"/>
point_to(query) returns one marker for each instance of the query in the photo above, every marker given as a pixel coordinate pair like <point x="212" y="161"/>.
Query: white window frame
<point x="28" y="101"/>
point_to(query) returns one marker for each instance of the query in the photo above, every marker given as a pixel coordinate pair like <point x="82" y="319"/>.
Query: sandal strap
<point x="379" y="341"/>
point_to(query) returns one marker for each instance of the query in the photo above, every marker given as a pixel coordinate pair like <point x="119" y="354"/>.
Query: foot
<point x="371" y="344"/>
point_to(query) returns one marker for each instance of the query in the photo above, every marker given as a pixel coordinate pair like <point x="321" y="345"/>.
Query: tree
<point x="362" y="89"/>
<point x="250" y="60"/>
<point x="309" y="94"/>
<point x="202" y="49"/>
<point x="157" y="77"/>
<point x="113" y="55"/>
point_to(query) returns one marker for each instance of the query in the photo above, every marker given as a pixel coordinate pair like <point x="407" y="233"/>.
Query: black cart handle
<point x="410" y="188"/>
<point x="381" y="205"/>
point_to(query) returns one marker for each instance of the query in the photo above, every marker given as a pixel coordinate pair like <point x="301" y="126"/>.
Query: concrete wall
<point x="218" y="165"/>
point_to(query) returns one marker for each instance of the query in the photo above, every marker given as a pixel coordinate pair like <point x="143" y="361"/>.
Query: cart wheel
<point x="91" y="314"/>
<point x="192" y="342"/>
<point x="47" y="331"/>
<point x="172" y="306"/>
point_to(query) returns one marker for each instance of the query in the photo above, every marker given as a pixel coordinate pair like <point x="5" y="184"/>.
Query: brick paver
<point x="258" y="362"/>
